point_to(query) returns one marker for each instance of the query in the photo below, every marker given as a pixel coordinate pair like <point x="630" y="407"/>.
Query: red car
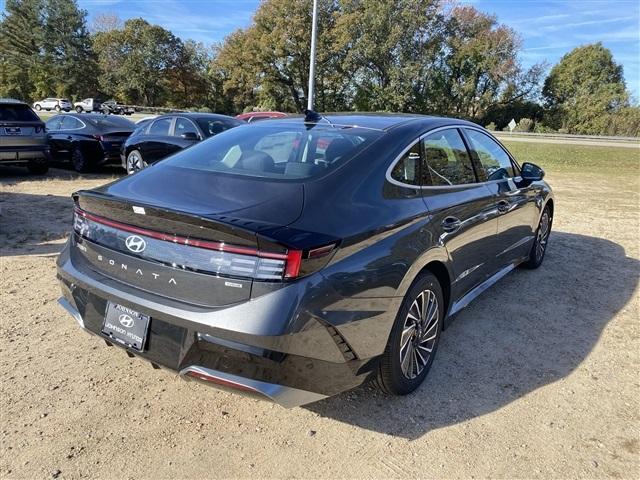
<point x="255" y="116"/>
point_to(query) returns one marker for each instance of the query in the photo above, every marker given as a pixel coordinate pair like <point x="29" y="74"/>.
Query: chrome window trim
<point x="461" y="186"/>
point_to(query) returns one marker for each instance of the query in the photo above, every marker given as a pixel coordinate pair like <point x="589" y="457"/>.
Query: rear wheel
<point x="79" y="109"/>
<point x="135" y="162"/>
<point x="414" y="338"/>
<point x="79" y="159"/>
<point x="38" y="107"/>
<point x="539" y="247"/>
<point x="38" y="167"/>
<point x="57" y="108"/>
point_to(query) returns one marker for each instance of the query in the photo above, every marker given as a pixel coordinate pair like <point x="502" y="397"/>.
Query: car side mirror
<point x="531" y="172"/>
<point x="189" y="136"/>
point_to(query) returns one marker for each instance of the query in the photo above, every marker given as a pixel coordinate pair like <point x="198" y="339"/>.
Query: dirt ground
<point x="539" y="378"/>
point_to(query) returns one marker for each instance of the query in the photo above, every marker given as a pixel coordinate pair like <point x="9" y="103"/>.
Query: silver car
<point x="51" y="103"/>
<point x="23" y="139"/>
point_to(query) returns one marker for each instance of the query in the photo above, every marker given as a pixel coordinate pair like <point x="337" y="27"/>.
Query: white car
<point x="88" y="105"/>
<point x="51" y="103"/>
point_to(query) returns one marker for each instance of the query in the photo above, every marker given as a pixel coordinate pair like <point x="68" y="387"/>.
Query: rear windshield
<point x="213" y="126"/>
<point x="104" y="121"/>
<point x="279" y="151"/>
<point x="17" y="113"/>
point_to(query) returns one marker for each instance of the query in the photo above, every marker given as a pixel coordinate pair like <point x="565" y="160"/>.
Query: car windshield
<point x="104" y="121"/>
<point x="17" y="113"/>
<point x="213" y="126"/>
<point x="280" y="151"/>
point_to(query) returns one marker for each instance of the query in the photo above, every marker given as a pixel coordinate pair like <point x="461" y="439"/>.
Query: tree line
<point x="421" y="56"/>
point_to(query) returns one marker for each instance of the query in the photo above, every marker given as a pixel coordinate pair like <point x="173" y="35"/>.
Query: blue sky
<point x="549" y="28"/>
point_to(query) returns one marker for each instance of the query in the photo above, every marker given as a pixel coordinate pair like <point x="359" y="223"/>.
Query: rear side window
<point x="276" y="150"/>
<point x="17" y="113"/>
<point x="54" y="123"/>
<point x="71" y="123"/>
<point x="407" y="169"/>
<point x="447" y="159"/>
<point x="160" y="127"/>
<point x="494" y="161"/>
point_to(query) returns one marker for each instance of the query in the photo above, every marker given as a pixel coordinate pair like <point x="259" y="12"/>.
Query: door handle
<point x="451" y="224"/>
<point x="503" y="206"/>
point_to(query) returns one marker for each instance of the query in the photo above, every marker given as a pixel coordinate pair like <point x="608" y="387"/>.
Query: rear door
<point x="463" y="209"/>
<point x="515" y="203"/>
<point x="154" y="145"/>
<point x="69" y="128"/>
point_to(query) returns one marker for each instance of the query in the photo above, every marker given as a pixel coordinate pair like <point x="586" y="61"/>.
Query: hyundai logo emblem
<point x="126" y="320"/>
<point x="135" y="243"/>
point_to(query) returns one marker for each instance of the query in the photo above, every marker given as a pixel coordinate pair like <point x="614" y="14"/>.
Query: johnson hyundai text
<point x="297" y="258"/>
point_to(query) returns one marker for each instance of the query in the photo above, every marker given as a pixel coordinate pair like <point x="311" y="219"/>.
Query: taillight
<point x="199" y="255"/>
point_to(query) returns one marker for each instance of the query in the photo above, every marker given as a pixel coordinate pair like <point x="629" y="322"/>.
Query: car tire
<point x="80" y="162"/>
<point x="38" y="167"/>
<point x="541" y="240"/>
<point x="38" y="107"/>
<point x="414" y="338"/>
<point x="57" y="108"/>
<point x="135" y="162"/>
<point x="79" y="109"/>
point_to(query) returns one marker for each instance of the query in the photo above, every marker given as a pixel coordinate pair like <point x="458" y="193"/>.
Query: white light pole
<point x="312" y="59"/>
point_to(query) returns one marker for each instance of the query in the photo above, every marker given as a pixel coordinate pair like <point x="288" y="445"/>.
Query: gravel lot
<point x="539" y="378"/>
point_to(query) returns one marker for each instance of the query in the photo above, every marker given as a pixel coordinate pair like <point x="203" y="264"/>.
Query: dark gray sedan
<point x="295" y="259"/>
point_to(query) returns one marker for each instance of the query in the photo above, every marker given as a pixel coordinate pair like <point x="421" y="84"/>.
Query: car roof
<point x="194" y="115"/>
<point x="12" y="101"/>
<point x="378" y="121"/>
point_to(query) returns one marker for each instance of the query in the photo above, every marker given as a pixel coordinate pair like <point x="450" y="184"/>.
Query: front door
<point x="464" y="213"/>
<point x="515" y="202"/>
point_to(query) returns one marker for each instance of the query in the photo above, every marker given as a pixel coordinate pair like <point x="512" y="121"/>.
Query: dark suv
<point x="295" y="259"/>
<point x="23" y="140"/>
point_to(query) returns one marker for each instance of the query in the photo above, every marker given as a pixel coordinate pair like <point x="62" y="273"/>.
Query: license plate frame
<point x="125" y="326"/>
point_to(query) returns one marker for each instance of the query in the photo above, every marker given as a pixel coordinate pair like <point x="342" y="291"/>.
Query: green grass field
<point x="585" y="158"/>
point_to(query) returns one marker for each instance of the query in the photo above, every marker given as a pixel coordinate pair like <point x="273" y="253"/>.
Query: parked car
<point x="88" y="105"/>
<point x="88" y="140"/>
<point x="111" y="107"/>
<point x="260" y="262"/>
<point x="22" y="137"/>
<point x="167" y="134"/>
<point x="255" y="116"/>
<point x="146" y="119"/>
<point x="57" y="104"/>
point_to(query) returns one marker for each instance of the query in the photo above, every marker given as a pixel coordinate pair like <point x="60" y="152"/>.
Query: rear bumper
<point x="257" y="348"/>
<point x="24" y="154"/>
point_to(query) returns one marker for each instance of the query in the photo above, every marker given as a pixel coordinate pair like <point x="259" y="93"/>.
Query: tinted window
<point x="212" y="127"/>
<point x="282" y="150"/>
<point x="17" y="113"/>
<point x="407" y="170"/>
<point x="494" y="161"/>
<point x="184" y="125"/>
<point x="54" y="123"/>
<point x="160" y="127"/>
<point x="110" y="121"/>
<point x="70" y="123"/>
<point x="447" y="159"/>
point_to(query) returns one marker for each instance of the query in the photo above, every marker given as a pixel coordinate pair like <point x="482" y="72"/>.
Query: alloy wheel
<point x="542" y="236"/>
<point x="134" y="162"/>
<point x="419" y="334"/>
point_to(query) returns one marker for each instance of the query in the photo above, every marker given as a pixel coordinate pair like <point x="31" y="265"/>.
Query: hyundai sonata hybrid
<point x="298" y="258"/>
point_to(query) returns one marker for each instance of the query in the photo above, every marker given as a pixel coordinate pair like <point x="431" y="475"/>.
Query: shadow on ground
<point x="531" y="329"/>
<point x="33" y="224"/>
